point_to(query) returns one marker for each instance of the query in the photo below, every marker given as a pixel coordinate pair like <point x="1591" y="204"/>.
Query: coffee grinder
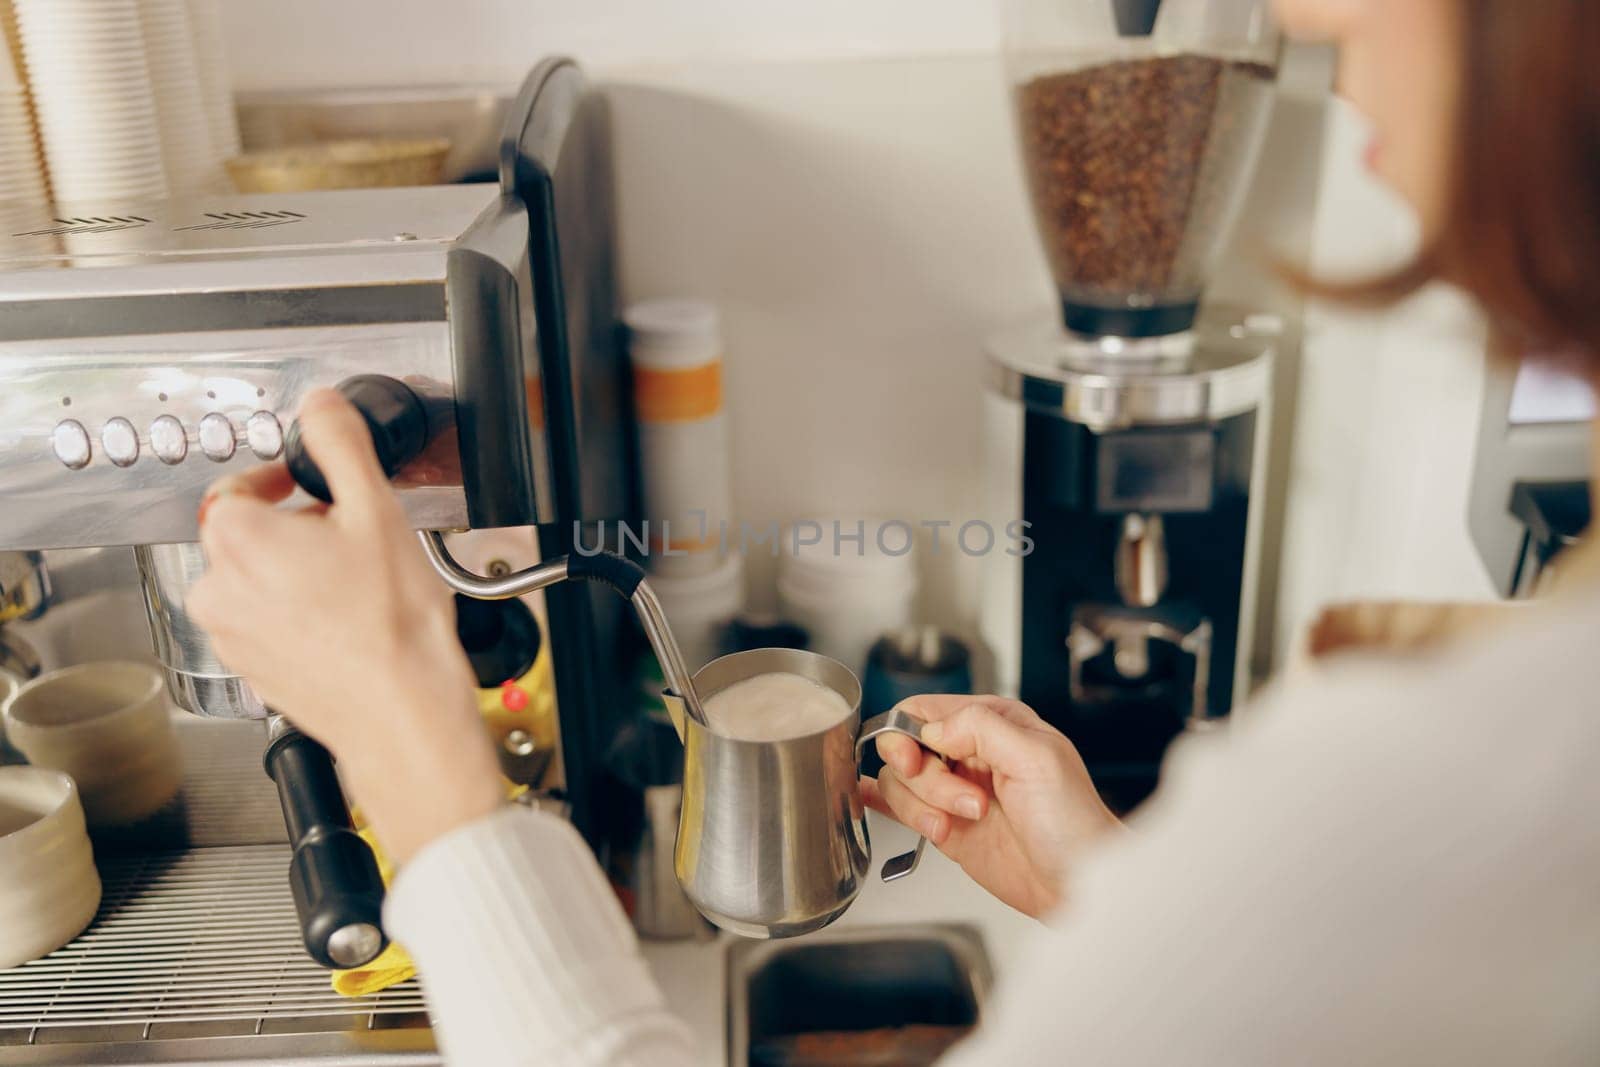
<point x="1127" y="433"/>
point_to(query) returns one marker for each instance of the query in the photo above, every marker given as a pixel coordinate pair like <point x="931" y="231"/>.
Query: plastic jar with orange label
<point x="676" y="349"/>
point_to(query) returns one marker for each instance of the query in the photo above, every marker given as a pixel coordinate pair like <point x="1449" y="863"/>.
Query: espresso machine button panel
<point x="154" y="419"/>
<point x="70" y="442"/>
<point x="169" y="440"/>
<point x="121" y="442"/>
<point x="264" y="434"/>
<point x="216" y="438"/>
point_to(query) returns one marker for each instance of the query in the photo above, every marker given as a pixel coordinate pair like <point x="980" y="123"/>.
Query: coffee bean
<point x="1136" y="169"/>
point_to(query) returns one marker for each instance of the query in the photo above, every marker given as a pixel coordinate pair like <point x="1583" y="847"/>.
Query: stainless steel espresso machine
<point x="148" y="349"/>
<point x="1127" y="433"/>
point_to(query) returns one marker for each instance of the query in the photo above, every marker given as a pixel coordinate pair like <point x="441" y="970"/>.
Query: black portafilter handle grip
<point x="338" y="890"/>
<point x="395" y="415"/>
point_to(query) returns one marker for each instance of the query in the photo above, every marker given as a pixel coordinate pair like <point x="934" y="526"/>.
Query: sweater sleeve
<point x="525" y="954"/>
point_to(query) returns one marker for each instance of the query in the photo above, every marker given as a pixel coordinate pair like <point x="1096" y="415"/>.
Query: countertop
<point x="692" y="974"/>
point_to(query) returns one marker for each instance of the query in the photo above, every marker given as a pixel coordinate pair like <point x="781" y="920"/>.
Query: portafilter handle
<point x="338" y="890"/>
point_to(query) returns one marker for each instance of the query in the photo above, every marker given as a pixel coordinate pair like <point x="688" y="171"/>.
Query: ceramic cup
<point x="49" y="888"/>
<point x="109" y="726"/>
<point x="9" y="684"/>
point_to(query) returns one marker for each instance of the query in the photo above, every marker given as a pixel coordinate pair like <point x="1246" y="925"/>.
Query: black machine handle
<point x="399" y="426"/>
<point x="338" y="890"/>
<point x="395" y="415"/>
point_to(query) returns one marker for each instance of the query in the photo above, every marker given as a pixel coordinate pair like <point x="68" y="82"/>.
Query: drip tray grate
<point x="196" y="944"/>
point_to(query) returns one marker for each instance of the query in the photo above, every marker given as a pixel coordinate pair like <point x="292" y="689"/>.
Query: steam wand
<point x="623" y="575"/>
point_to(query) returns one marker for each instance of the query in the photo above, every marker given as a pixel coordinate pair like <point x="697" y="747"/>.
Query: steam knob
<point x="395" y="415"/>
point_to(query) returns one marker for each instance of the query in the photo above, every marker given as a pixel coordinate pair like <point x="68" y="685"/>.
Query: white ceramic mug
<point x="109" y="726"/>
<point x="49" y="888"/>
<point x="9" y="684"/>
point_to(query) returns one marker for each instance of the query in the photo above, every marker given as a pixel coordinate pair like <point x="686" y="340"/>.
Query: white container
<point x="49" y="888"/>
<point x="9" y="684"/>
<point x="193" y="165"/>
<point x="676" y="350"/>
<point x="216" y="77"/>
<point x="108" y="726"/>
<point x="699" y="607"/>
<point x="12" y="78"/>
<point x="844" y="598"/>
<point x="93" y="96"/>
<point x="845" y="627"/>
<point x="21" y="172"/>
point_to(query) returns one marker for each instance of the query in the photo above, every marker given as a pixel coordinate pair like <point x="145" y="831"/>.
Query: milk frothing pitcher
<point x="772" y="838"/>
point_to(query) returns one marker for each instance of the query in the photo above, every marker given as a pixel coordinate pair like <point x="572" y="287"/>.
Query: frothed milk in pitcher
<point x="774" y="707"/>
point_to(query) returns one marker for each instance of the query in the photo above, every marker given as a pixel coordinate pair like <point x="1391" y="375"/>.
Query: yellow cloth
<point x="393" y="965"/>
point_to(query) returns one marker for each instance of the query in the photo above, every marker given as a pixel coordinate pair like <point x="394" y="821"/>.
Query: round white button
<point x="168" y="439"/>
<point x="71" y="443"/>
<point x="265" y="435"/>
<point x="121" y="442"/>
<point x="216" y="437"/>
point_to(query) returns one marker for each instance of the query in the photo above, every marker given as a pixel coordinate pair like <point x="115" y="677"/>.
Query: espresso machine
<point x="148" y="349"/>
<point x="1125" y="433"/>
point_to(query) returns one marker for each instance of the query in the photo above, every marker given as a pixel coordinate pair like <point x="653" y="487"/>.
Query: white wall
<point x="862" y="226"/>
<point x="375" y="42"/>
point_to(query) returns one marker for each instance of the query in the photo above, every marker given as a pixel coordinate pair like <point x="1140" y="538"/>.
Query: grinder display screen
<point x="1155" y="471"/>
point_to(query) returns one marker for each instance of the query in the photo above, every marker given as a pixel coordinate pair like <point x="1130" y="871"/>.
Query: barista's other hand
<point x="334" y="616"/>
<point x="1016" y="807"/>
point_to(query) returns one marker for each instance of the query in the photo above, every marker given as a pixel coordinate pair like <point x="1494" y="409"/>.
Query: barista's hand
<point x="1015" y="810"/>
<point x="336" y="619"/>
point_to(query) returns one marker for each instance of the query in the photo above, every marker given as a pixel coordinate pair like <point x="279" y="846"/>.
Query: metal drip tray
<point x="195" y="957"/>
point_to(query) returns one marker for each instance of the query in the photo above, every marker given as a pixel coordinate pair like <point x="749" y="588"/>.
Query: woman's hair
<point x="1522" y="225"/>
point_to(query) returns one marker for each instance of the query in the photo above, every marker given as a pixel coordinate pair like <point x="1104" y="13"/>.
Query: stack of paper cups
<point x="216" y="80"/>
<point x="22" y="182"/>
<point x="193" y="165"/>
<point x="676" y="348"/>
<point x="91" y="89"/>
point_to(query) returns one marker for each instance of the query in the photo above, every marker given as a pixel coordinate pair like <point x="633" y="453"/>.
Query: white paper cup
<point x="192" y="164"/>
<point x="49" y="888"/>
<point x="216" y="78"/>
<point x="109" y="726"/>
<point x="94" y="99"/>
